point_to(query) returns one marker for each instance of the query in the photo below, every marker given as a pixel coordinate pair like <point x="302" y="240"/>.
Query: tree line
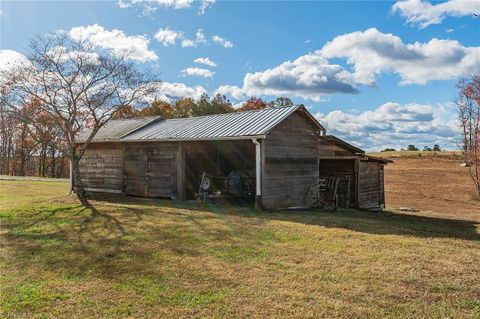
<point x="30" y="144"/>
<point x="204" y="105"/>
<point x="413" y="148"/>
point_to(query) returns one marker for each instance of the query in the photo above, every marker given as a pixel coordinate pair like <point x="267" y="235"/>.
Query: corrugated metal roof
<point x="114" y="130"/>
<point x="220" y="126"/>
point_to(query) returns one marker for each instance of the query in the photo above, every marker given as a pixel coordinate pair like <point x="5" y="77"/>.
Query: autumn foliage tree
<point x="184" y="107"/>
<point x="204" y="105"/>
<point x="254" y="103"/>
<point x="30" y="143"/>
<point x="77" y="88"/>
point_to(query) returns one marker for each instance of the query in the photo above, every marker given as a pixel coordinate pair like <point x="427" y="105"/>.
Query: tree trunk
<point x="52" y="167"/>
<point x="77" y="180"/>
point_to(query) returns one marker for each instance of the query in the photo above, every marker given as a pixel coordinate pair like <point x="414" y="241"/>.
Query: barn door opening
<point x="341" y="172"/>
<point x="229" y="165"/>
<point x="160" y="174"/>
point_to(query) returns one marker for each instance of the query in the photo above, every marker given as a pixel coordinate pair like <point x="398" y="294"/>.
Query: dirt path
<point x="438" y="187"/>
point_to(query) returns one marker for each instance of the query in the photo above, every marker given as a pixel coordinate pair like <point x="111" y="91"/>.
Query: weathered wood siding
<point x="101" y="168"/>
<point x="381" y="181"/>
<point x="326" y="148"/>
<point x="370" y="185"/>
<point x="150" y="169"/>
<point x="290" y="165"/>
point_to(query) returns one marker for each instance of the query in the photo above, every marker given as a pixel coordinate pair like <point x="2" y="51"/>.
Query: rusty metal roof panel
<point x="219" y="126"/>
<point x="114" y="130"/>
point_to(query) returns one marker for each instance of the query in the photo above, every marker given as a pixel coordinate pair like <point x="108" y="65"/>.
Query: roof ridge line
<point x="236" y="112"/>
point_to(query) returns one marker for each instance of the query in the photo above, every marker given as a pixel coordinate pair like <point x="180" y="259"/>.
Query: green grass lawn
<point x="142" y="258"/>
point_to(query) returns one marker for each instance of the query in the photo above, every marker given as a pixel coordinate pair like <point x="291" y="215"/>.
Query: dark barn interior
<point x="230" y="166"/>
<point x="343" y="173"/>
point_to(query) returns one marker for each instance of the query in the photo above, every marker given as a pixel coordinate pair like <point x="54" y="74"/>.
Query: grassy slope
<point x="147" y="258"/>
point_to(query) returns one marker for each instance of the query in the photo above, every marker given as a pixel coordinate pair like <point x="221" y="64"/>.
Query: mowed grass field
<point x="143" y="258"/>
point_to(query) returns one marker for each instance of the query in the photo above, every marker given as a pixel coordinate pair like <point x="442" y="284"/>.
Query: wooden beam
<point x="357" y="181"/>
<point x="123" y="168"/>
<point x="334" y="157"/>
<point x="180" y="171"/>
<point x="103" y="190"/>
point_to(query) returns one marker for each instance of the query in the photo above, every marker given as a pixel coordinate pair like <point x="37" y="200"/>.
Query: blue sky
<point x="368" y="70"/>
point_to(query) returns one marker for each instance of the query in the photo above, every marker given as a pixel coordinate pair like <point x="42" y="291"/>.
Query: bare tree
<point x="78" y="86"/>
<point x="7" y="128"/>
<point x="468" y="105"/>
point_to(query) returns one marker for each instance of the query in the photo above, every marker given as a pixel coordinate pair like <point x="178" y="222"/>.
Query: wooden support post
<point x="258" y="174"/>
<point x="124" y="183"/>
<point x="381" y="177"/>
<point x="180" y="163"/>
<point x="357" y="181"/>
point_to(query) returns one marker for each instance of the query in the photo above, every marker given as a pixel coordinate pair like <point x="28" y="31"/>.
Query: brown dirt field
<point x="437" y="186"/>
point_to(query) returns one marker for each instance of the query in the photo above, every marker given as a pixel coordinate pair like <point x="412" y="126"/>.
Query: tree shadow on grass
<point x="383" y="223"/>
<point x="102" y="237"/>
<point x="110" y="222"/>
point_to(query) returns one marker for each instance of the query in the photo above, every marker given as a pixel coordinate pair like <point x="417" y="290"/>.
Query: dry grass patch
<point x="132" y="257"/>
<point x="437" y="186"/>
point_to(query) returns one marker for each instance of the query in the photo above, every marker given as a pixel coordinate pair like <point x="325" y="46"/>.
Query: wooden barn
<point x="280" y="157"/>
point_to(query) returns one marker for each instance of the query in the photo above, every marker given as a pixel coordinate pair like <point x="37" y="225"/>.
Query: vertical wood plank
<point x="263" y="170"/>
<point x="123" y="169"/>
<point x="180" y="167"/>
<point x="357" y="181"/>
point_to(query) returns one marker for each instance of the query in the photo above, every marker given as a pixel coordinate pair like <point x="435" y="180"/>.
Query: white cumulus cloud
<point x="395" y="125"/>
<point x="150" y="6"/>
<point x="10" y="59"/>
<point x="193" y="71"/>
<point x="204" y="4"/>
<point x="369" y="53"/>
<point x="123" y="5"/>
<point x="424" y="13"/>
<point x="222" y="41"/>
<point x="186" y="43"/>
<point x="167" y="37"/>
<point x="166" y="91"/>
<point x="372" y="52"/>
<point x="199" y="39"/>
<point x="135" y="46"/>
<point x="309" y="77"/>
<point x="205" y="61"/>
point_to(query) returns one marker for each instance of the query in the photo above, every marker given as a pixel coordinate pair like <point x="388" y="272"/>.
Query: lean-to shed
<point x="272" y="155"/>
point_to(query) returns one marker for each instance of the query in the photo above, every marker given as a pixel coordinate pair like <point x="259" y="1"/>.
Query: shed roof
<point x="114" y="130"/>
<point x="337" y="141"/>
<point x="236" y="125"/>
